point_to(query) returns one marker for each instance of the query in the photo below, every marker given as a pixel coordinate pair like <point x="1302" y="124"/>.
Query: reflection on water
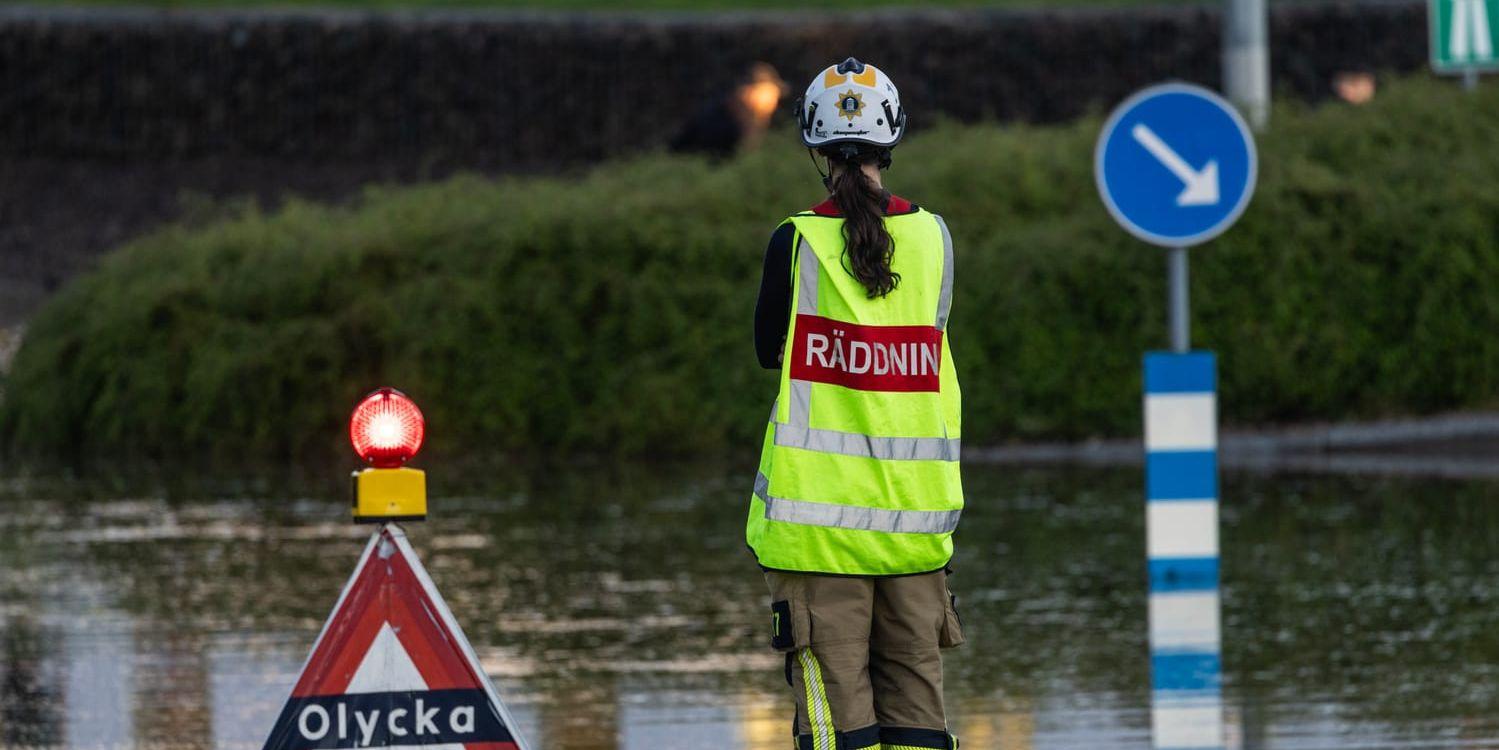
<point x="619" y="610"/>
<point x="29" y="700"/>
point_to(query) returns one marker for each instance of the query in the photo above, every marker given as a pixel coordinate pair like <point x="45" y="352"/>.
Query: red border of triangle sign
<point x="392" y="668"/>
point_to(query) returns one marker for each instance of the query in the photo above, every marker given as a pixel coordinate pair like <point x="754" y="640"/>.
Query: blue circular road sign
<point x="1175" y="165"/>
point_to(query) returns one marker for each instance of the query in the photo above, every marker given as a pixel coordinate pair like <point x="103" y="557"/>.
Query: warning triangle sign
<point x="392" y="668"/>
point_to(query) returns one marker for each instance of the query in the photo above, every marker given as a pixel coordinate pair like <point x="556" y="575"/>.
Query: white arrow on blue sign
<point x="1175" y="165"/>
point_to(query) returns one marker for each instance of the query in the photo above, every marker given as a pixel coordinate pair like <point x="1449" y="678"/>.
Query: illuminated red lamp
<point x="387" y="428"/>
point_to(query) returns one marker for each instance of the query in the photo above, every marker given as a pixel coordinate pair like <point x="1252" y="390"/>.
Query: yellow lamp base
<point x="390" y="495"/>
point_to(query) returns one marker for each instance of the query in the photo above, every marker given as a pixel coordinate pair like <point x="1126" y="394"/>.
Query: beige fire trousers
<point x="863" y="658"/>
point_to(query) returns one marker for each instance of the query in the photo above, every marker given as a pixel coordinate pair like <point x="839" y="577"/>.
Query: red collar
<point x="894" y="205"/>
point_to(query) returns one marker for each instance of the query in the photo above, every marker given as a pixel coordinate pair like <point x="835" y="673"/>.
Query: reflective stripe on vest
<point x="854" y="517"/>
<point x="944" y="299"/>
<point x="806" y="304"/>
<point x="868" y="446"/>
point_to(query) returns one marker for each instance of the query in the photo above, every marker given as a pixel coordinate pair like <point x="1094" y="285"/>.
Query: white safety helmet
<point x="851" y="103"/>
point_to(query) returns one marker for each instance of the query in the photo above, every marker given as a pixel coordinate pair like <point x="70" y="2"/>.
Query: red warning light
<point x="387" y="429"/>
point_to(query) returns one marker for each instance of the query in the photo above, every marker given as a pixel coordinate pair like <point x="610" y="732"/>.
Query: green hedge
<point x="610" y="313"/>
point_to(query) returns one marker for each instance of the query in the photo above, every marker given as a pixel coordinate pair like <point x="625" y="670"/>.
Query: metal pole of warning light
<point x="1246" y="59"/>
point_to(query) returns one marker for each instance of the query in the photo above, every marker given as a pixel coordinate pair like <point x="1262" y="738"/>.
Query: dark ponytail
<point x="868" y="246"/>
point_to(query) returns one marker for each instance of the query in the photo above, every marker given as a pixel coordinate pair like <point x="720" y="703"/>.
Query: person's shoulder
<point x="826" y="209"/>
<point x="922" y="210"/>
<point x="898" y="206"/>
<point x="924" y="216"/>
<point x="895" y="206"/>
<point x="783" y="236"/>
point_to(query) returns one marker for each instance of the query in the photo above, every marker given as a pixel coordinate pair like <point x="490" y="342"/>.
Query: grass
<point x="611" y="313"/>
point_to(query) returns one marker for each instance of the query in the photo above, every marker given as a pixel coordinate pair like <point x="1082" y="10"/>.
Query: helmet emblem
<point x="850" y="104"/>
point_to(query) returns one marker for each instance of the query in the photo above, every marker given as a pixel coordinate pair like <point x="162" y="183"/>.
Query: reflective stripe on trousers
<point x="853" y="517"/>
<point x="819" y="710"/>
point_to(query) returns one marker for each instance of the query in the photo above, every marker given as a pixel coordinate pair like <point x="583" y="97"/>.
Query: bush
<point x="611" y="313"/>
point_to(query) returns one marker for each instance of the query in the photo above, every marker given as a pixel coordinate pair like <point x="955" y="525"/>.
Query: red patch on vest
<point x="827" y="208"/>
<point x="895" y="207"/>
<point x="867" y="358"/>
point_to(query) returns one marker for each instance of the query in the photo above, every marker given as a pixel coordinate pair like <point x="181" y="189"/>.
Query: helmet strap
<point x="827" y="179"/>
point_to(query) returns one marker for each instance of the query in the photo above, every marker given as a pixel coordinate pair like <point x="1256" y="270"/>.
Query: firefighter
<point x="858" y="492"/>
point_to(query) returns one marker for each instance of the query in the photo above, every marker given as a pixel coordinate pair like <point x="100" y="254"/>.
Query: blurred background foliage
<point x="609" y="313"/>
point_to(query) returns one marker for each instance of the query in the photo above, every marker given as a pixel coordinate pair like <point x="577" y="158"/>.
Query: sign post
<point x="1463" y="40"/>
<point x="1176" y="166"/>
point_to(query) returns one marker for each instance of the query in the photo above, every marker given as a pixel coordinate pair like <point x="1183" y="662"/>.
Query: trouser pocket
<point x="790" y="620"/>
<point x="952" y="626"/>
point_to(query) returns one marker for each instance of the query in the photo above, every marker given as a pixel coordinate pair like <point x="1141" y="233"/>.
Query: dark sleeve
<point x="773" y="307"/>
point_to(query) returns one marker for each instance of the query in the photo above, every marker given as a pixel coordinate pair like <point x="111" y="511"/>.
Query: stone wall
<point x="516" y="90"/>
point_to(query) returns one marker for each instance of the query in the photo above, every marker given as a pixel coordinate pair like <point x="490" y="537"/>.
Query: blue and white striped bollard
<point x="1181" y="481"/>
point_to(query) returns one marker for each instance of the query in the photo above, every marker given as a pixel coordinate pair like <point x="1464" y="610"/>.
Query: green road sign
<point x="1462" y="37"/>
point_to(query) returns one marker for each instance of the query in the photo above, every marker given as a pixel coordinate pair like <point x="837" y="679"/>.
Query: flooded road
<point x="619" y="609"/>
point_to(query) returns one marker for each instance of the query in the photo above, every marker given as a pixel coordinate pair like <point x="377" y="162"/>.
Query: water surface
<point x="618" y="609"/>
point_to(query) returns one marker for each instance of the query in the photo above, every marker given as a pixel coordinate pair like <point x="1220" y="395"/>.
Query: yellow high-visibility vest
<point x="859" y="470"/>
